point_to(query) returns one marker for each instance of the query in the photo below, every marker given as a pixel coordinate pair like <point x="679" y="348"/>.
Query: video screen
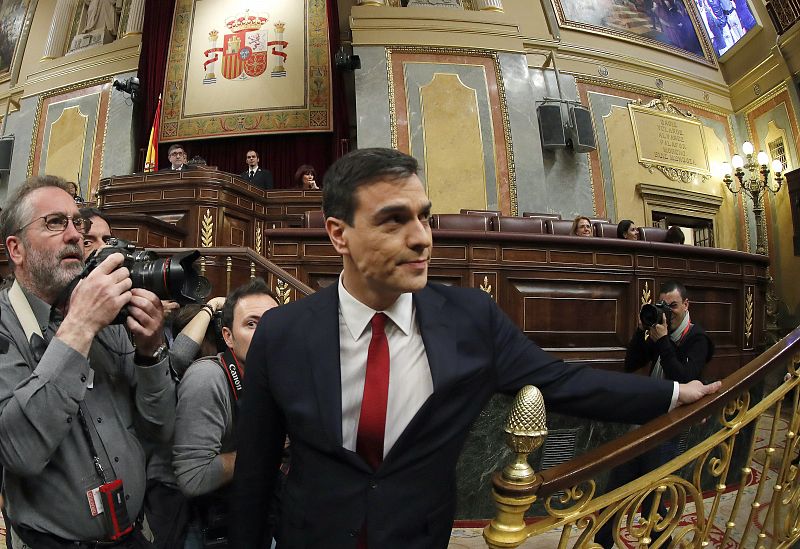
<point x="726" y="21"/>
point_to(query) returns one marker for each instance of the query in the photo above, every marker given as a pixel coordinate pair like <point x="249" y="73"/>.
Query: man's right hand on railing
<point x="695" y="390"/>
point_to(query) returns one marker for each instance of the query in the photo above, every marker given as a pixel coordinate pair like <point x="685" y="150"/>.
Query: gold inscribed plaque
<point x="669" y="140"/>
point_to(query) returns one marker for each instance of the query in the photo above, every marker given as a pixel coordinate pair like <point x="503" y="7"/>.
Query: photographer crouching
<point x="673" y="348"/>
<point x="75" y="397"/>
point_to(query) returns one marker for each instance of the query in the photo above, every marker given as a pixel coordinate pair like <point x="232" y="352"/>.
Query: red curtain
<point x="282" y="153"/>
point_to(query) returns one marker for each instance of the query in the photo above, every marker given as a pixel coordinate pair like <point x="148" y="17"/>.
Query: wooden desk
<point x="577" y="298"/>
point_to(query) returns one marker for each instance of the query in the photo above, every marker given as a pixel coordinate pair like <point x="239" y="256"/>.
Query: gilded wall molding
<point x="40" y="104"/>
<point x="468" y="52"/>
<point x="650" y="92"/>
<point x="763" y="99"/>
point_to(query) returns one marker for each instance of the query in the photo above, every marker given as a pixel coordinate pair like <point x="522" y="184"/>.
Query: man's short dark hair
<point x="89" y="212"/>
<point x="255" y="286"/>
<point x="174" y="147"/>
<point x="671" y="286"/>
<point x="18" y="208"/>
<point x="361" y="167"/>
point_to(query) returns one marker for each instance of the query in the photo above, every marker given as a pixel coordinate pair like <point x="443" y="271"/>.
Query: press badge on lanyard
<point x="108" y="499"/>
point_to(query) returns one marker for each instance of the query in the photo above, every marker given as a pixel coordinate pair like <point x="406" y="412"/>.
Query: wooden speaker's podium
<point x="199" y="208"/>
<point x="218" y="213"/>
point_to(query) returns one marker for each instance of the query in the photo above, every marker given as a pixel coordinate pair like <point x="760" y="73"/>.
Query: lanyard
<point x="98" y="468"/>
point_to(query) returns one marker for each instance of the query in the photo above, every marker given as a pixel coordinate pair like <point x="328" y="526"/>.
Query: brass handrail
<point x="568" y="490"/>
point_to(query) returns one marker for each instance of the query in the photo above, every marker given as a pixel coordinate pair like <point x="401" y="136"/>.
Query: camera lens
<point x="649" y="315"/>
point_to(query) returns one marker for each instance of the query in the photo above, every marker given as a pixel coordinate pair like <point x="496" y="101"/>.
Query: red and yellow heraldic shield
<point x="232" y="62"/>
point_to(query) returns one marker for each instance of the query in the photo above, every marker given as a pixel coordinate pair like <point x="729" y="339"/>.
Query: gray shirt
<point x="159" y="454"/>
<point x="203" y="427"/>
<point x="47" y="462"/>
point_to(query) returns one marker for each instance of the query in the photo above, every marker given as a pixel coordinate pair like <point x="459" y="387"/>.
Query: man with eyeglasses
<point x="177" y="159"/>
<point x="76" y="397"/>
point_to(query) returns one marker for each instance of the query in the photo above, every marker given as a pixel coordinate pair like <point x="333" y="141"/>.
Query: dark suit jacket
<point x="261" y="179"/>
<point x="184" y="168"/>
<point x="293" y="385"/>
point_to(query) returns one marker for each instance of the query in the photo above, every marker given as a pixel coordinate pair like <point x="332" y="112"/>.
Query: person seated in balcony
<point x="74" y="191"/>
<point x="581" y="226"/>
<point x="628" y="230"/>
<point x="672" y="348"/>
<point x="306" y="178"/>
<point x="675" y="235"/>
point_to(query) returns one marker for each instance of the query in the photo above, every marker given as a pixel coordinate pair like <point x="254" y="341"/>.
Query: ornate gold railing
<point x="760" y="508"/>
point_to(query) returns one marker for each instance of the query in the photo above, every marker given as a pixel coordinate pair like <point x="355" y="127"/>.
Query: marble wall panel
<point x="120" y="158"/>
<point x="20" y="125"/>
<point x="372" y="98"/>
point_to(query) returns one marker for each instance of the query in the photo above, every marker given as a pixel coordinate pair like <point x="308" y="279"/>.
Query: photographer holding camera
<point x="674" y="348"/>
<point x="76" y="398"/>
<point x="205" y="450"/>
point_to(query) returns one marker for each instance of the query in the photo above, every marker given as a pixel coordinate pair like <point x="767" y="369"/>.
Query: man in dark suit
<point x="177" y="159"/>
<point x="377" y="379"/>
<point x="256" y="175"/>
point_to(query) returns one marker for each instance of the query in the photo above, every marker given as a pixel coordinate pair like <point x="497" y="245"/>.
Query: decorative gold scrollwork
<point x="259" y="239"/>
<point x="579" y="495"/>
<point x="748" y="315"/>
<point x="675" y="174"/>
<point x="735" y="409"/>
<point x="486" y="287"/>
<point x="284" y="292"/>
<point x="207" y="230"/>
<point x="653" y="530"/>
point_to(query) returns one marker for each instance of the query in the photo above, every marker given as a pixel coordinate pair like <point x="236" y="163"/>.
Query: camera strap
<point x="22" y="308"/>
<point x="233" y="372"/>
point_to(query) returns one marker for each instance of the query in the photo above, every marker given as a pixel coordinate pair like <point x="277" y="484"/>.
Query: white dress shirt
<point x="410" y="381"/>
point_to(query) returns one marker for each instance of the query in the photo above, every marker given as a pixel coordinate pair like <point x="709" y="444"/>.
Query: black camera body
<point x="172" y="277"/>
<point x="650" y="314"/>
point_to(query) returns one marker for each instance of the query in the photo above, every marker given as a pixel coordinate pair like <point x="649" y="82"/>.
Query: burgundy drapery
<point x="281" y="153"/>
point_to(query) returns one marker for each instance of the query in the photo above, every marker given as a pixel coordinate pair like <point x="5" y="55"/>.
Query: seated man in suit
<point x="256" y="175"/>
<point x="378" y="378"/>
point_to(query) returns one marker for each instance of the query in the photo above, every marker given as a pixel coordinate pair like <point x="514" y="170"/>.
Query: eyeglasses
<point x="177" y="153"/>
<point x="57" y="223"/>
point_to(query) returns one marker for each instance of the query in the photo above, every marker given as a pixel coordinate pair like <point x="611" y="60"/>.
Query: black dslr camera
<point x="651" y="314"/>
<point x="172" y="277"/>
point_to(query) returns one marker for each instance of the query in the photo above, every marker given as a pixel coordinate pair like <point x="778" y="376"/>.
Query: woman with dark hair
<point x="627" y="229"/>
<point x="74" y="192"/>
<point x="675" y="235"/>
<point x="305" y="178"/>
<point x="581" y="226"/>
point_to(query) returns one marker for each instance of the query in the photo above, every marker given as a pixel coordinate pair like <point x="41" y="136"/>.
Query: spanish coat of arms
<point x="245" y="52"/>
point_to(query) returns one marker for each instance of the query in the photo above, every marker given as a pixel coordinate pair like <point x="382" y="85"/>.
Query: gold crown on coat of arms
<point x="246" y="21"/>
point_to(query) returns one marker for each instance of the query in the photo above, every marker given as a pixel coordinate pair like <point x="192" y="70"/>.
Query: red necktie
<point x="372" y="422"/>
